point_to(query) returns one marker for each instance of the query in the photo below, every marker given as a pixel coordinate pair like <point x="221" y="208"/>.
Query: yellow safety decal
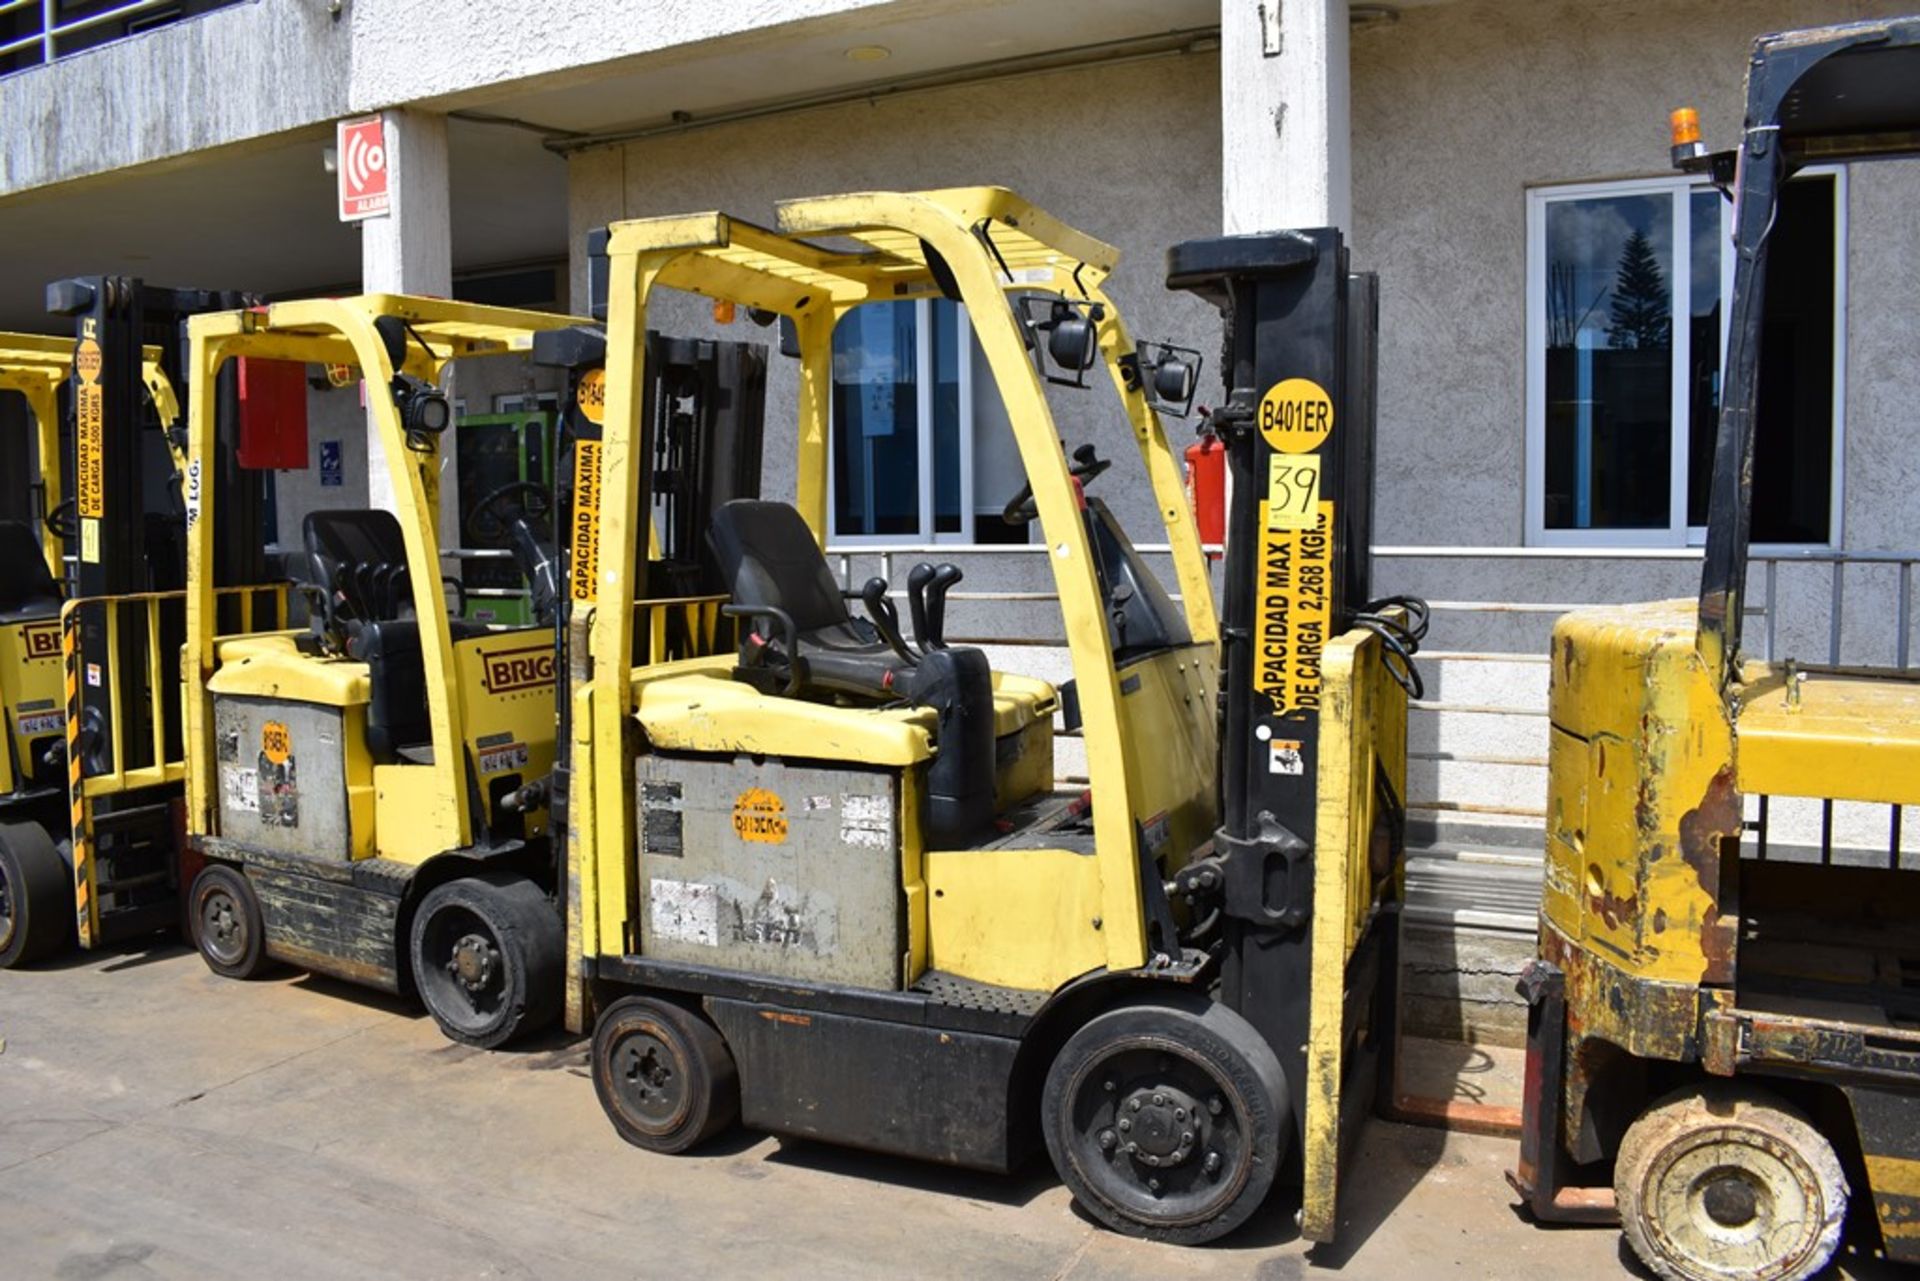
<point x="592" y="395"/>
<point x="1296" y="415"/>
<point x="759" y="815"/>
<point x="586" y="519"/>
<point x="1293" y="491"/>
<point x="1295" y="611"/>
<point x="276" y="743"/>
<point x="340" y="375"/>
<point x="89" y="413"/>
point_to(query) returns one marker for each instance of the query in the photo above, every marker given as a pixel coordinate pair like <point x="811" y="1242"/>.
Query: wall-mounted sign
<point x="361" y="158"/>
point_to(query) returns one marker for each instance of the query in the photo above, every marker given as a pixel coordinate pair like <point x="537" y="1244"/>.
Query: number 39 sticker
<point x="1293" y="491"/>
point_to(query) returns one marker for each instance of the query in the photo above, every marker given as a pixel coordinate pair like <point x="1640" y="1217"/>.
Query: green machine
<point x="501" y="458"/>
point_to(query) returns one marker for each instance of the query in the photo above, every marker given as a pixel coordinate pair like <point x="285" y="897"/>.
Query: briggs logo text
<point x="517" y="669"/>
<point x="43" y="640"/>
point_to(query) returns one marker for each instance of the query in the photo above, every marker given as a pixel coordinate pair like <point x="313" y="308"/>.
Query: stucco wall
<point x="1052" y="138"/>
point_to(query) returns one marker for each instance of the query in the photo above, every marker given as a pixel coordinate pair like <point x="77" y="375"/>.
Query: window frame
<point x="924" y="387"/>
<point x="1678" y="532"/>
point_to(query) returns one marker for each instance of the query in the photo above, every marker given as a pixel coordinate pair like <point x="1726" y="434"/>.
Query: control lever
<point x="917" y="581"/>
<point x="944" y="577"/>
<point x="885" y="617"/>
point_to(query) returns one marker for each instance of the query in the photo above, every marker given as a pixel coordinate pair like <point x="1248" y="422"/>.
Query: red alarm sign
<point x="361" y="159"/>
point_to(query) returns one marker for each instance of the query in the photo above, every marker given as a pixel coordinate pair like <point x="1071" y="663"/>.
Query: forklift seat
<point x="770" y="561"/>
<point x="358" y="560"/>
<point x="27" y="589"/>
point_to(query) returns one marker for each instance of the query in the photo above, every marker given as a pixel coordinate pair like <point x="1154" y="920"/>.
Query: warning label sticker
<point x="760" y="816"/>
<point x="1295" y="611"/>
<point x="586" y="519"/>
<point x="591" y="395"/>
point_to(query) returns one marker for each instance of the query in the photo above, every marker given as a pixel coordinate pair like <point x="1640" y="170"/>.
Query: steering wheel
<point x="490" y="517"/>
<point x="63" y="520"/>
<point x="1085" y="466"/>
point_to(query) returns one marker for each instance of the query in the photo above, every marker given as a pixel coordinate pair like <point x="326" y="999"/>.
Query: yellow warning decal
<point x="1293" y="491"/>
<point x="276" y="742"/>
<point x="761" y="816"/>
<point x="89" y="417"/>
<point x="585" y="572"/>
<point x="341" y="375"/>
<point x="1295" y="611"/>
<point x="591" y="395"/>
<point x="1296" y="415"/>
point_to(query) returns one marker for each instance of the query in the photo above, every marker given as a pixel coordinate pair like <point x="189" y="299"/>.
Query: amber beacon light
<point x="1687" y="147"/>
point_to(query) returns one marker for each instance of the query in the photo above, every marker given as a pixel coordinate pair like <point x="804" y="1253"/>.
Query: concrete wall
<point x="410" y="50"/>
<point x="236" y="74"/>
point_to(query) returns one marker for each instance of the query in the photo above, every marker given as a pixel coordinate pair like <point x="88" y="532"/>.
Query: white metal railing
<point x="51" y="31"/>
<point x="1768" y="609"/>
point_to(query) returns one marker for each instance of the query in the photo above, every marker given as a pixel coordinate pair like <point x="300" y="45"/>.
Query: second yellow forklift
<point x="820" y="876"/>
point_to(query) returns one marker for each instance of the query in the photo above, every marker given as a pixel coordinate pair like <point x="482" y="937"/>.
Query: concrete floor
<point x="156" y="1121"/>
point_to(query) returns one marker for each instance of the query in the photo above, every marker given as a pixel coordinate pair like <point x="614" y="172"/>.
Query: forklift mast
<point x="1298" y="360"/>
<point x="129" y="539"/>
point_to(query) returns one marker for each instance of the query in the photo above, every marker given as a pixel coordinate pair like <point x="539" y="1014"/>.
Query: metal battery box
<point x="281" y="781"/>
<point x="771" y="868"/>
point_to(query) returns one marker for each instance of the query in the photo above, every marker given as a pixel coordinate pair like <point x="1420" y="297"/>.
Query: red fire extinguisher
<point x="1206" y="468"/>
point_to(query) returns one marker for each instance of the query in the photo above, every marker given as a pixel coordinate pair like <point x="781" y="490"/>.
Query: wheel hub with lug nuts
<point x="474" y="961"/>
<point x="1159" y="1126"/>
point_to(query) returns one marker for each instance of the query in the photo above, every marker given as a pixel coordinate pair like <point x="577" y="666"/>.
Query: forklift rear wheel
<point x="663" y="1074"/>
<point x="1723" y="1181"/>
<point x="487" y="959"/>
<point x="1165" y="1121"/>
<point x="36" y="895"/>
<point x="225" y="915"/>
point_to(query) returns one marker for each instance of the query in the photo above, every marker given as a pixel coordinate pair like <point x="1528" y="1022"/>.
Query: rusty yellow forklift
<point x="821" y="879"/>
<point x="368" y="798"/>
<point x="91" y="612"/>
<point x="1730" y="1040"/>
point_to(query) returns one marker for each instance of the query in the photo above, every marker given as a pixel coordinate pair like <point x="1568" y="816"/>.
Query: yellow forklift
<point x="820" y="878"/>
<point x="1724" y="1047"/>
<point x="368" y="797"/>
<point x="90" y="623"/>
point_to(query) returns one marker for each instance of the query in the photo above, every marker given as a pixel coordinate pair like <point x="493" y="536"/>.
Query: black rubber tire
<point x="663" y="1074"/>
<point x="224" y="915"/>
<point x="1723" y="1181"/>
<point x="36" y="896"/>
<point x="1184" y="1095"/>
<point x="488" y="956"/>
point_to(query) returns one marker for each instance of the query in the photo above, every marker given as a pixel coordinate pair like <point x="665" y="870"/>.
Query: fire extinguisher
<point x="1206" y="468"/>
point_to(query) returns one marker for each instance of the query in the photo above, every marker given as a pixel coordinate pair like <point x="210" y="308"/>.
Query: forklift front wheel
<point x="663" y="1074"/>
<point x="1165" y="1121"/>
<point x="225" y="916"/>
<point x="36" y="895"/>
<point x="487" y="959"/>
<point x="1724" y="1181"/>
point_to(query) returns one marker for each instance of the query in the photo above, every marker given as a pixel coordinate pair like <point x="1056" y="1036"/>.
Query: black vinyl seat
<point x="27" y="588"/>
<point x="357" y="559"/>
<point x="770" y="561"/>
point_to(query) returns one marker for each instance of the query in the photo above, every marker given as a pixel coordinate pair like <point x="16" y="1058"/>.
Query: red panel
<point x="273" y="414"/>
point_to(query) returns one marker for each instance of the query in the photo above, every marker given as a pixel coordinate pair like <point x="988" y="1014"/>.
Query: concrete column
<point x="1285" y="125"/>
<point x="410" y="250"/>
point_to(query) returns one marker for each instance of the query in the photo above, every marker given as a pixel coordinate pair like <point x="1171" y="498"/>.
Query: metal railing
<point x="1768" y="612"/>
<point x="44" y="30"/>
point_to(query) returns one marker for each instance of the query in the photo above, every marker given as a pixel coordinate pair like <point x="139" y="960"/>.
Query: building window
<point x="1628" y="285"/>
<point x="917" y="456"/>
